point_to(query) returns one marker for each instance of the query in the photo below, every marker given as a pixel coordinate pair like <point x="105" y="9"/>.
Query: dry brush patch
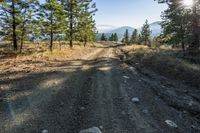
<point x="164" y="62"/>
<point x="37" y="57"/>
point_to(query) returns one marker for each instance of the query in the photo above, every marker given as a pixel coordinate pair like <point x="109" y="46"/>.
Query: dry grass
<point x="165" y="63"/>
<point x="37" y="57"/>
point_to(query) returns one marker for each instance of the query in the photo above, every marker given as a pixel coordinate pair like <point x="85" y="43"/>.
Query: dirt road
<point x="96" y="90"/>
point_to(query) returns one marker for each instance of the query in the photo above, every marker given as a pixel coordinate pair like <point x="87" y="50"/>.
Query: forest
<point x="54" y="20"/>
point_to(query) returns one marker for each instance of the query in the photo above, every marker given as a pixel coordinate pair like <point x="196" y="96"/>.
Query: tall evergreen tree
<point x="175" y="25"/>
<point x="9" y="12"/>
<point x="126" y="37"/>
<point x="181" y="24"/>
<point x="111" y="37"/>
<point x="103" y="37"/>
<point x="195" y="18"/>
<point x="134" y="37"/>
<point x="29" y="10"/>
<point x="15" y="19"/>
<point x="146" y="33"/>
<point x="139" y="39"/>
<point x="115" y="37"/>
<point x="86" y="27"/>
<point x="76" y="11"/>
<point x="53" y="16"/>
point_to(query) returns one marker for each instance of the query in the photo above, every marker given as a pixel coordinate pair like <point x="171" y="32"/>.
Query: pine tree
<point x="126" y="37"/>
<point x="86" y="26"/>
<point x="103" y="37"/>
<point x="195" y="21"/>
<point x="72" y="12"/>
<point x="15" y="20"/>
<point x="139" y="41"/>
<point x="78" y="12"/>
<point x="52" y="19"/>
<point x="181" y="25"/>
<point x="115" y="37"/>
<point x="134" y="37"/>
<point x="146" y="33"/>
<point x="111" y="37"/>
<point x="175" y="25"/>
<point x="9" y="12"/>
<point x="28" y="13"/>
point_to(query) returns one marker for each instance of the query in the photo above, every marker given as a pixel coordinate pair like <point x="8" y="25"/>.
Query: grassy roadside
<point x="164" y="62"/>
<point x="36" y="57"/>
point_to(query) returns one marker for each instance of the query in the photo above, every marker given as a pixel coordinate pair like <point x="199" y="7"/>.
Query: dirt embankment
<point x="165" y="62"/>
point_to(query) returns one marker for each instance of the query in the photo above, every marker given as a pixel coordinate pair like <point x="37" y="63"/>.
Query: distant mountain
<point x="108" y="30"/>
<point x="122" y="30"/>
<point x="105" y="28"/>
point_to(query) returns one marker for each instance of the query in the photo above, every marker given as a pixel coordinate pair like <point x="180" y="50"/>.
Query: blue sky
<point x="127" y="12"/>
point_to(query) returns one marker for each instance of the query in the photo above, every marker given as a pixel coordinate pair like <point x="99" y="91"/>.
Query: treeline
<point x="113" y="37"/>
<point x="144" y="37"/>
<point x="53" y="20"/>
<point x="181" y="25"/>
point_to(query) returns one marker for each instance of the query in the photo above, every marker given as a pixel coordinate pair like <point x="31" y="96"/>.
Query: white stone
<point x="44" y="131"/>
<point x="145" y="111"/>
<point x="82" y="108"/>
<point x="135" y="100"/>
<point x="91" y="130"/>
<point x="126" y="77"/>
<point x="171" y="123"/>
<point x="101" y="127"/>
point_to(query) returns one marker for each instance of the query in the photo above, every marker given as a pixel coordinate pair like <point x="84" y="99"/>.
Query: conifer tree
<point x="15" y="19"/>
<point x="103" y="37"/>
<point x="111" y="37"/>
<point x="29" y="10"/>
<point x="77" y="12"/>
<point x="115" y="37"/>
<point x="175" y="25"/>
<point x="53" y="16"/>
<point x="9" y="12"/>
<point x="86" y="24"/>
<point x="126" y="37"/>
<point x="139" y="39"/>
<point x="146" y="33"/>
<point x="134" y="37"/>
<point x="181" y="24"/>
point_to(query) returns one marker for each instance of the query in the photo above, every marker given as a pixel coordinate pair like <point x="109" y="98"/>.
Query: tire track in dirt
<point x="39" y="108"/>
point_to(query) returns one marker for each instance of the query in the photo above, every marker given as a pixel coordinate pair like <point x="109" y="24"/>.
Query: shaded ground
<point x="94" y="88"/>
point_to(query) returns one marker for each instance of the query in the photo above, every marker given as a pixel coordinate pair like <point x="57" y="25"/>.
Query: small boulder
<point x="145" y="111"/>
<point x="101" y="127"/>
<point x="135" y="100"/>
<point x="44" y="131"/>
<point x="171" y="123"/>
<point x="91" y="130"/>
<point x="126" y="77"/>
<point x="82" y="108"/>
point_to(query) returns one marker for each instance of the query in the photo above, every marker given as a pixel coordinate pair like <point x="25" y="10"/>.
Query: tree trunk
<point x="22" y="42"/>
<point x="71" y="26"/>
<point x="196" y="31"/>
<point x="51" y="42"/>
<point x="85" y="41"/>
<point x="183" y="47"/>
<point x="51" y="33"/>
<point x="60" y="44"/>
<point x="14" y="36"/>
